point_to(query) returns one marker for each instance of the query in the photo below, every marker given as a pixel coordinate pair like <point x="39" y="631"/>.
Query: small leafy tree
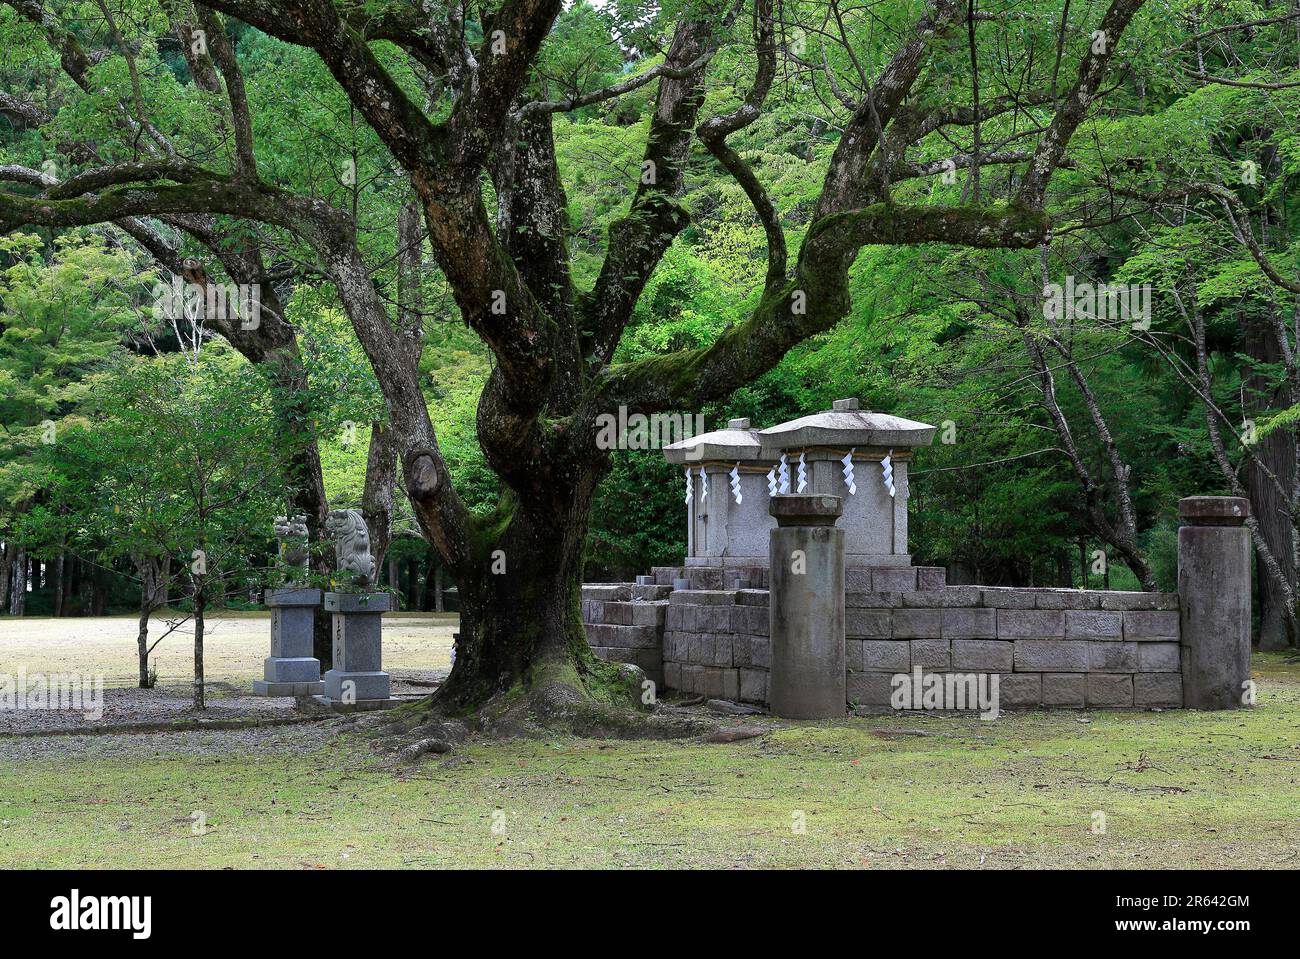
<point x="178" y="464"/>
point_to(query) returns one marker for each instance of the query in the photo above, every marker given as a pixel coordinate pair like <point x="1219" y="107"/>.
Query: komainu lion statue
<point x="353" y="563"/>
<point x="292" y="535"/>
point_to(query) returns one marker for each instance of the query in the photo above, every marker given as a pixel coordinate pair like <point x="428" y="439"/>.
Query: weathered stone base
<point x="263" y="688"/>
<point x="360" y="706"/>
<point x="364" y="686"/>
<point x="1051" y="648"/>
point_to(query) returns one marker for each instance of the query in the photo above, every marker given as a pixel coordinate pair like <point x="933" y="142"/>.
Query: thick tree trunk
<point x="18" y="595"/>
<point x="520" y="610"/>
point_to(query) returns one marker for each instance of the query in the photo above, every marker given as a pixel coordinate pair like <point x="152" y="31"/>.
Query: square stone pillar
<point x="1214" y="599"/>
<point x="291" y="669"/>
<point x="357" y="680"/>
<point x="806" y="608"/>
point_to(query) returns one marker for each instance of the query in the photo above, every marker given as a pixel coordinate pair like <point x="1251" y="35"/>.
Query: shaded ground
<point x="1177" y="790"/>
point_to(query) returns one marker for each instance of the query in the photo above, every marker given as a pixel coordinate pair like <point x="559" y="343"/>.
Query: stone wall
<point x="1049" y="647"/>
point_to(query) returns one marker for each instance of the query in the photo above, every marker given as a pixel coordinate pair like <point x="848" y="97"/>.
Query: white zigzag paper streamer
<point x="803" y="474"/>
<point x="848" y="472"/>
<point x="735" y="483"/>
<point x="771" y="481"/>
<point x="783" y="475"/>
<point x="704" y="485"/>
<point x="887" y="469"/>
<point x="690" y="490"/>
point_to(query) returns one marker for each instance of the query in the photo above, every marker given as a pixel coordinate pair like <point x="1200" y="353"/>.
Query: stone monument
<point x="806" y="608"/>
<point x="291" y="669"/>
<point x="357" y="680"/>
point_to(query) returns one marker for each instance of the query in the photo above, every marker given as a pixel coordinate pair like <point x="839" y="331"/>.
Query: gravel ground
<point x="125" y="706"/>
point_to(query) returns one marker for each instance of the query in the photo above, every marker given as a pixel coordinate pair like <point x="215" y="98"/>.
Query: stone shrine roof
<point x="845" y="426"/>
<point x="736" y="442"/>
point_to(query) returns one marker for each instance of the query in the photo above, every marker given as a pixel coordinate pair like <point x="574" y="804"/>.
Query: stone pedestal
<point x="357" y="680"/>
<point x="1214" y="597"/>
<point x="806" y="556"/>
<point x="291" y="669"/>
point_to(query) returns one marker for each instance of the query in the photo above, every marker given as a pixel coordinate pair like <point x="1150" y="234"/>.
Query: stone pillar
<point x="357" y="680"/>
<point x="291" y="669"/>
<point x="1214" y="596"/>
<point x="806" y="555"/>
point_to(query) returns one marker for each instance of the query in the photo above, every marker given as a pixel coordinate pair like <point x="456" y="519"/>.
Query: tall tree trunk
<point x="6" y="574"/>
<point x="59" y="582"/>
<point x="200" y="605"/>
<point x="1275" y="453"/>
<point x="18" y="596"/>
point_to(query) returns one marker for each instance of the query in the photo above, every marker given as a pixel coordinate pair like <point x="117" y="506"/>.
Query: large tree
<point x="476" y="143"/>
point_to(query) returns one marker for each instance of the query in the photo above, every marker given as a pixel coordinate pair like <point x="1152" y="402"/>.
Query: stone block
<point x="857" y="578"/>
<point x="1005" y="597"/>
<point x="607" y="592"/>
<point x="1093" y="624"/>
<point x="1115" y="599"/>
<point x="672" y="675"/>
<point x="760" y="652"/>
<point x="872" y="600"/>
<point x="1158" y="689"/>
<point x="702" y="597"/>
<point x="701" y="651"/>
<point x="1019" y="690"/>
<point x="948" y="597"/>
<point x="709" y="681"/>
<point x="932" y="654"/>
<point x="1151" y="626"/>
<point x="753" y="597"/>
<point x="1031" y="624"/>
<point x="1110" y="689"/>
<point x="1065" y="689"/>
<point x="298" y="669"/>
<point x="852" y="655"/>
<point x="722" y="651"/>
<point x="673" y="617"/>
<point x="891" y="579"/>
<point x="263" y="688"/>
<point x="293" y="596"/>
<point x="969" y="624"/>
<point x="931" y="577"/>
<point x="713" y="619"/>
<point x="869" y="689"/>
<point x="1051" y="655"/>
<point x="731" y="684"/>
<point x="753" y="685"/>
<point x="347" y="686"/>
<point x="1159" y="657"/>
<point x="1066" y="599"/>
<point x="1112" y="657"/>
<point x="867" y="624"/>
<point x="916" y="624"/>
<point x="740" y="650"/>
<point x="989" y="655"/>
<point x="886" y="654"/>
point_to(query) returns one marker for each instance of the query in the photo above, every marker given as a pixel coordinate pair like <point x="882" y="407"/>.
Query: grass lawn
<point x="1177" y="790"/>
